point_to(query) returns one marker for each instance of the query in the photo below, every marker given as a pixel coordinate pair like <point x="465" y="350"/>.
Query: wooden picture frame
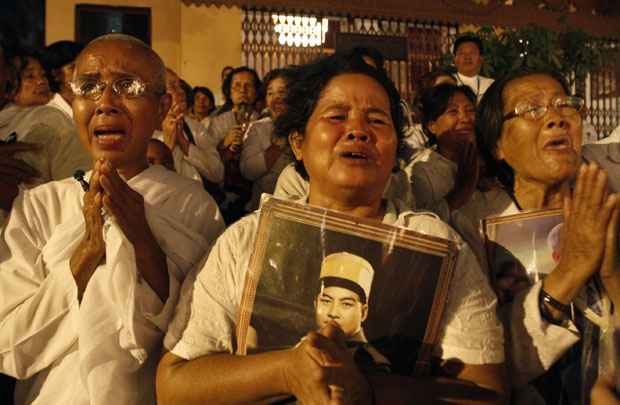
<point x="406" y="299"/>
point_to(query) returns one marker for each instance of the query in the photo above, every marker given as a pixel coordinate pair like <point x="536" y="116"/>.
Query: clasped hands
<point x="321" y="370"/>
<point x="108" y="191"/>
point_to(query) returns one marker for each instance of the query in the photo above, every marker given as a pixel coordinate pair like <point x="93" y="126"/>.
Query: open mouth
<point x="109" y="136"/>
<point x="559" y="143"/>
<point x="355" y="155"/>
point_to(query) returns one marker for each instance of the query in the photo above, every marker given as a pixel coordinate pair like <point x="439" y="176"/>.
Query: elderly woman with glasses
<point x="530" y="129"/>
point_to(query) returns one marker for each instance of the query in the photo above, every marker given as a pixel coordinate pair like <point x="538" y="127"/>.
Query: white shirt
<point x="258" y="139"/>
<point x="61" y="151"/>
<point x="478" y="84"/>
<point x="208" y="309"/>
<point x="60" y="103"/>
<point x="202" y="158"/>
<point x="613" y="137"/>
<point x="105" y="349"/>
<point x="291" y="185"/>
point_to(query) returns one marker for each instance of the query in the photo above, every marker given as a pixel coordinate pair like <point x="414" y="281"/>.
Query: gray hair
<point x="159" y="81"/>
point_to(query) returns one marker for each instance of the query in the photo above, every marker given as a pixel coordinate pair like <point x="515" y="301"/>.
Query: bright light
<point x="299" y="31"/>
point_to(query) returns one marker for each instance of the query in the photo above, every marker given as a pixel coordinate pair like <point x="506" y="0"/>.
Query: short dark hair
<point x="311" y="79"/>
<point x="20" y="61"/>
<point x="228" y="105"/>
<point x="468" y="38"/>
<point x="287" y="74"/>
<point x="490" y="121"/>
<point x="58" y="55"/>
<point x="372" y="53"/>
<point x="189" y="93"/>
<point x="435" y="102"/>
<point x="208" y="93"/>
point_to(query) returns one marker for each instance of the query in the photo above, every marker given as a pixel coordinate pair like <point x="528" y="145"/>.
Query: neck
<point x="128" y="172"/>
<point x="67" y="95"/>
<point x="535" y="195"/>
<point x="199" y="116"/>
<point x="353" y="204"/>
<point x="471" y="76"/>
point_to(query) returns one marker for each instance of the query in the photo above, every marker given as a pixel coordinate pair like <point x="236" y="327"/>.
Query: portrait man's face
<point x="342" y="306"/>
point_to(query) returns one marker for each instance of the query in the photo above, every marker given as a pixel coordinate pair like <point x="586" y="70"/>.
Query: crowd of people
<point x="130" y="203"/>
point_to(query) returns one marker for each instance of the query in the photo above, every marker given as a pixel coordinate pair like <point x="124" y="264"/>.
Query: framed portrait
<point x="531" y="240"/>
<point x="384" y="286"/>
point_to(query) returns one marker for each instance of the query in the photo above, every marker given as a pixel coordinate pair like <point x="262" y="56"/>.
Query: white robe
<point x="202" y="159"/>
<point x="105" y="349"/>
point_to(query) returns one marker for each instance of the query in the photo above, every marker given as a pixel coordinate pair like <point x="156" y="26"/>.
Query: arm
<point x="260" y="152"/>
<point x="38" y="295"/>
<point x="205" y="157"/>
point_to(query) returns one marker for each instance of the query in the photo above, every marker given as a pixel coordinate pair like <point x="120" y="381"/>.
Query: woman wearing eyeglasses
<point x="530" y="130"/>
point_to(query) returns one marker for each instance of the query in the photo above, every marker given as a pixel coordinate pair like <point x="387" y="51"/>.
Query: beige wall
<point x="211" y="38"/>
<point x="197" y="42"/>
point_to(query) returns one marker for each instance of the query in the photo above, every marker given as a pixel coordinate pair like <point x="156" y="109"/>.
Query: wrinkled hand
<point x="125" y="205"/>
<point x="172" y="127"/>
<point x="610" y="268"/>
<point x="91" y="250"/>
<point x="233" y="139"/>
<point x="586" y="218"/>
<point x="322" y="371"/>
<point x="14" y="171"/>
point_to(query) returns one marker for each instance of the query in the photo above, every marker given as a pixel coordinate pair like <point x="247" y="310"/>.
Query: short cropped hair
<point x="469" y="37"/>
<point x="159" y="81"/>
<point x="306" y="90"/>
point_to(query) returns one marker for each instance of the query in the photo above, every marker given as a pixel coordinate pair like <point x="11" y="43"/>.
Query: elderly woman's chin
<point x="561" y="167"/>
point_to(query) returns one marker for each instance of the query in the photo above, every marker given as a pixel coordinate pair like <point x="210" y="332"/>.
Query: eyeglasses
<point x="127" y="87"/>
<point x="533" y="111"/>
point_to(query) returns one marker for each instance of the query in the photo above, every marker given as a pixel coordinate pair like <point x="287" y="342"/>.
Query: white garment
<point x="258" y="138"/>
<point x="606" y="155"/>
<point x="60" y="103"/>
<point x="291" y="186"/>
<point x="613" y="137"/>
<point x="432" y="178"/>
<point x="61" y="151"/>
<point x="202" y="159"/>
<point x="478" y="84"/>
<point x="588" y="133"/>
<point x="415" y="137"/>
<point x="220" y="124"/>
<point x="208" y="309"/>
<point x="105" y="349"/>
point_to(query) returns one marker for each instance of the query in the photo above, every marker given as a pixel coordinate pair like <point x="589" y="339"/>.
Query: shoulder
<point x="427" y="223"/>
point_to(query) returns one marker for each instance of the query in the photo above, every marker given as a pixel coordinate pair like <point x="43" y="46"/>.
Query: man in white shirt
<point x="468" y="60"/>
<point x="89" y="273"/>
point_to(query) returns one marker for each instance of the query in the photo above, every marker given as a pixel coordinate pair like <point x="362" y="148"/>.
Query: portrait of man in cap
<point x="345" y="284"/>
